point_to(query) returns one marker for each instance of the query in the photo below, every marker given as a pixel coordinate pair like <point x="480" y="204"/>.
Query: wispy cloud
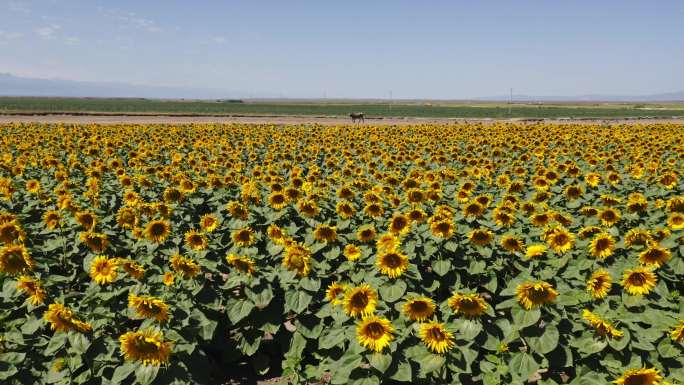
<point x="131" y="20"/>
<point x="48" y="32"/>
<point x="6" y="37"/>
<point x="18" y="6"/>
<point x="72" y="40"/>
<point x="218" y="39"/>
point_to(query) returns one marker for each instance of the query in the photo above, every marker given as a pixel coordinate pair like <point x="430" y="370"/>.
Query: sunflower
<point x="639" y="281"/>
<point x="416" y="215"/>
<point x="442" y="228"/>
<point x="387" y="242"/>
<point x="587" y="232"/>
<point x="243" y="237"/>
<point x="512" y="244"/>
<point x="503" y="217"/>
<point x="149" y="307"/>
<point x="473" y="209"/>
<point x="244" y="264"/>
<point x="298" y="259"/>
<point x="560" y="240"/>
<point x="352" y="252"/>
<point x="335" y="293"/>
<point x="196" y="240"/>
<point x="655" y="255"/>
<point x="277" y="200"/>
<point x="374" y="333"/>
<point x="639" y="377"/>
<point x="185" y="267"/>
<point x="609" y="216"/>
<point x="676" y="221"/>
<point x="360" y="301"/>
<point x="480" y="237"/>
<point x="678" y="333"/>
<point x="534" y="251"/>
<point x="599" y="284"/>
<point x="275" y="234"/>
<point x="602" y="246"/>
<point x="209" y="222"/>
<point x="132" y="268"/>
<point x="11" y="232"/>
<point x="126" y="218"/>
<point x="147" y="346"/>
<point x="419" y="309"/>
<point x="172" y="195"/>
<point x="86" y="219"/>
<point x="237" y="210"/>
<point x="157" y="231"/>
<point x="399" y="224"/>
<point x="308" y="207"/>
<point x="345" y="209"/>
<point x="469" y="305"/>
<point x="52" y="219"/>
<point x="62" y="319"/>
<point x="602" y="327"/>
<point x="33" y="186"/>
<point x="325" y="233"/>
<point x="436" y="337"/>
<point x="535" y="294"/>
<point x="96" y="242"/>
<point x="168" y="278"/>
<point x="15" y="259"/>
<point x="637" y="237"/>
<point x="103" y="270"/>
<point x="391" y="263"/>
<point x="33" y="288"/>
<point x="366" y="233"/>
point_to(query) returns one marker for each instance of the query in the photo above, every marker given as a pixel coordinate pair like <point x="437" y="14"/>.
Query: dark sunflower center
<point x="158" y="229"/>
<point x="359" y="300"/>
<point x="638" y="379"/>
<point x="435" y="334"/>
<point x="375" y="330"/>
<point x="637" y="279"/>
<point x="392" y="260"/>
<point x="602" y="244"/>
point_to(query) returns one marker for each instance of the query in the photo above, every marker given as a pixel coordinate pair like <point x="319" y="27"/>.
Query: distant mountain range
<point x="11" y="85"/>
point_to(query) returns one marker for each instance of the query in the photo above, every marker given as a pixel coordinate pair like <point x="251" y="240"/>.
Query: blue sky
<point x="416" y="49"/>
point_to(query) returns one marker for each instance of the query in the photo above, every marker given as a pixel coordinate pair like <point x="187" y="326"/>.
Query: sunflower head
<point x="609" y="216"/>
<point x="599" y="284"/>
<point x="146" y="346"/>
<point x="183" y="266"/>
<point x="209" y="223"/>
<point x="15" y="260"/>
<point x="480" y="237"/>
<point x="436" y="337"/>
<point x="535" y="251"/>
<point x="360" y="301"/>
<point x="535" y="294"/>
<point x="443" y="228"/>
<point x="366" y="233"/>
<point x="469" y="305"/>
<point x="387" y="242"/>
<point x="196" y="240"/>
<point x="298" y="259"/>
<point x="419" y="309"/>
<point x="352" y="252"/>
<point x="677" y="334"/>
<point x="559" y="239"/>
<point x="392" y="263"/>
<point x="149" y="307"/>
<point x="399" y="224"/>
<point x="243" y="264"/>
<point x="63" y="319"/>
<point x="157" y="231"/>
<point x="602" y="246"/>
<point x="33" y="288"/>
<point x="325" y="233"/>
<point x="639" y="281"/>
<point x="11" y="232"/>
<point x="639" y="377"/>
<point x="512" y="244"/>
<point x="654" y="256"/>
<point x="335" y="293"/>
<point x="103" y="270"/>
<point x="243" y="237"/>
<point x="374" y="333"/>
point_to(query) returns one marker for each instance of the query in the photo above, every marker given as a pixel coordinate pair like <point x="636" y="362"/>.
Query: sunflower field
<point x="427" y="254"/>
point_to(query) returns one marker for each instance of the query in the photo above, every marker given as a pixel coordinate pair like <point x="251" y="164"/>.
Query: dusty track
<point x="151" y="119"/>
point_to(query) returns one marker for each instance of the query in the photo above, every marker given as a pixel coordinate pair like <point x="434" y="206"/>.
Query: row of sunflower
<point x="474" y="253"/>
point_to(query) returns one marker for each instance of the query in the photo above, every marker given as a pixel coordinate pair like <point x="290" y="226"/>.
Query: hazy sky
<point x="416" y="49"/>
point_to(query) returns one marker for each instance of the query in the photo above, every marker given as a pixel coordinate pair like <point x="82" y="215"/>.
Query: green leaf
<point x="79" y="342"/>
<point x="122" y="372"/>
<point x="523" y="318"/>
<point x="380" y="361"/>
<point x="366" y="380"/>
<point x="392" y="293"/>
<point x="522" y="365"/>
<point x="430" y="362"/>
<point x="545" y="343"/>
<point x="297" y="301"/>
<point x="240" y="310"/>
<point x="56" y="342"/>
<point x="145" y="374"/>
<point x="667" y="349"/>
<point x="469" y="329"/>
<point x="442" y="267"/>
<point x="310" y="284"/>
<point x="12" y="358"/>
<point x="333" y="338"/>
<point x="403" y="373"/>
<point x="620" y="343"/>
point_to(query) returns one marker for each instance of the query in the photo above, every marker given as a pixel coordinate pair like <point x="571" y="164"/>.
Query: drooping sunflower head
<point x="599" y="284"/>
<point x="419" y="309"/>
<point x="639" y="377"/>
<point x="602" y="246"/>
<point x="308" y="207"/>
<point x="469" y="305"/>
<point x="33" y="288"/>
<point x="298" y="259"/>
<point x="15" y="260"/>
<point x="103" y="270"/>
<point x="11" y="232"/>
<point x="132" y="268"/>
<point x="335" y="293"/>
<point x="209" y="222"/>
<point x="147" y="346"/>
<point x="157" y="230"/>
<point x="512" y="244"/>
<point x="480" y="237"/>
<point x="276" y="234"/>
<point x="638" y="237"/>
<point x="639" y="281"/>
<point x="655" y="256"/>
<point x="243" y="237"/>
<point x="360" y="301"/>
<point x="366" y="233"/>
<point x="63" y="319"/>
<point x="436" y="337"/>
<point x="602" y="327"/>
<point x="392" y="263"/>
<point x="374" y="333"/>
<point x="96" y="242"/>
<point x="677" y="334"/>
<point x="149" y="307"/>
<point x="535" y="294"/>
<point x="325" y="233"/>
<point x="126" y="218"/>
<point x="352" y="252"/>
<point x="86" y="219"/>
<point x="185" y="267"/>
<point x="52" y="219"/>
<point x="196" y="240"/>
<point x="237" y="210"/>
<point x="243" y="264"/>
<point x="588" y="232"/>
<point x="535" y="251"/>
